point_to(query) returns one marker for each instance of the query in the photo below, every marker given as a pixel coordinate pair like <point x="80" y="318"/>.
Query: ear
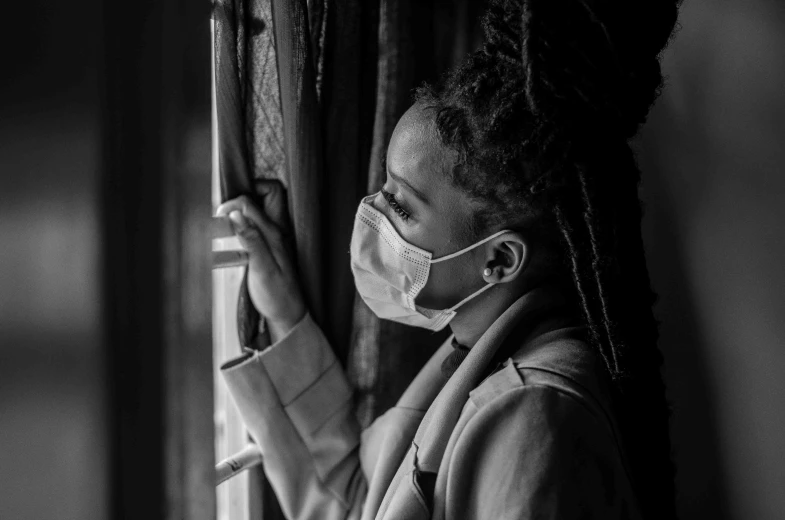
<point x="507" y="256"/>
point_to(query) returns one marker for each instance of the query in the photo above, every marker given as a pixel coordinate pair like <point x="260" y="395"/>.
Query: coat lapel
<point x="438" y="424"/>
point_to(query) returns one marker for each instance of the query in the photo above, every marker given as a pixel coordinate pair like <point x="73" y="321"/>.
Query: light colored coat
<point x="533" y="440"/>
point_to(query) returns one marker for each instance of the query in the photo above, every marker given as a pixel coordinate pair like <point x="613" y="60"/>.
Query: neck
<point x="477" y="315"/>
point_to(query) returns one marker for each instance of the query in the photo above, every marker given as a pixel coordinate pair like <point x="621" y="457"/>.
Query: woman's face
<point x="428" y="211"/>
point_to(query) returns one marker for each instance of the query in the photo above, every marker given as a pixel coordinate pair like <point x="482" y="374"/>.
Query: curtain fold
<point x="235" y="170"/>
<point x="302" y="142"/>
<point x="348" y="85"/>
<point x="233" y="162"/>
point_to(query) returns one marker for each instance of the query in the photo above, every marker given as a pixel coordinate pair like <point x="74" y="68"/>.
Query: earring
<point x="487" y="271"/>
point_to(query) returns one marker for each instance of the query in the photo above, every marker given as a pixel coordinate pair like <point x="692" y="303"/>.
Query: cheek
<point x="448" y="283"/>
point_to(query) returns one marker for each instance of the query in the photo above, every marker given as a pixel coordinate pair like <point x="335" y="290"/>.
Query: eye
<point x="394" y="204"/>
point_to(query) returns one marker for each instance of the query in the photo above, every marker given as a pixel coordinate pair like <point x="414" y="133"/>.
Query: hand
<point x="272" y="278"/>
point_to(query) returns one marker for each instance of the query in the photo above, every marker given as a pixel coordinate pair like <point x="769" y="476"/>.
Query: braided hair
<point x="541" y="118"/>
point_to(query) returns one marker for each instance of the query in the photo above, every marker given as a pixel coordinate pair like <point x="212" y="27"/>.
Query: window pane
<point x="230" y="433"/>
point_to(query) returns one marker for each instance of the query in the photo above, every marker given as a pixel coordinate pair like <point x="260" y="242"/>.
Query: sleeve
<point x="297" y="404"/>
<point x="537" y="453"/>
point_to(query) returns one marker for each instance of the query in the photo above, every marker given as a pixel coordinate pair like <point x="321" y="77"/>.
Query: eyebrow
<point x="406" y="183"/>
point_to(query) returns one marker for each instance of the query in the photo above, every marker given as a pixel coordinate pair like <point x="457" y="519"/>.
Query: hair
<point x="541" y="118"/>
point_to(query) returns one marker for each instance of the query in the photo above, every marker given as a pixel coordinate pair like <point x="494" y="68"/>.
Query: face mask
<point x="389" y="272"/>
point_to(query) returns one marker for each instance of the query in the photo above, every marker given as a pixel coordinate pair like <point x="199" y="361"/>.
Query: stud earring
<point x="487" y="271"/>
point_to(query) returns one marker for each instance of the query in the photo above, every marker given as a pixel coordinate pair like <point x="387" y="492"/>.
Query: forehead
<point x="415" y="147"/>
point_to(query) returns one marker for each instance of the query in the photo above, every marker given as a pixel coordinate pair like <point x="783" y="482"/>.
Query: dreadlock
<point x="541" y="118"/>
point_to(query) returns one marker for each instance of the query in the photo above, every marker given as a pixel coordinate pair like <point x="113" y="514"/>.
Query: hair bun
<point x="586" y="63"/>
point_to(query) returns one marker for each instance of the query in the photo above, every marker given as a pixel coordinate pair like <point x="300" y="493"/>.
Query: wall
<point x="712" y="156"/>
<point x="53" y="442"/>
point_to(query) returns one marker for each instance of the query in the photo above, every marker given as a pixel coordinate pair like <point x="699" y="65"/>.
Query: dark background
<point x="712" y="157"/>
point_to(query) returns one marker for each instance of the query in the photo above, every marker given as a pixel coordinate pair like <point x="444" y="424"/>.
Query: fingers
<point x="249" y="210"/>
<point x="273" y="196"/>
<point x="255" y="229"/>
<point x="253" y="240"/>
<point x="244" y="204"/>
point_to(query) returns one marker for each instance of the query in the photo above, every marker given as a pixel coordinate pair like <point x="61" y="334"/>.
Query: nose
<point x="375" y="201"/>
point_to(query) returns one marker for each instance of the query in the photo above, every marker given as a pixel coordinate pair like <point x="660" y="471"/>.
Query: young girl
<point x="510" y="214"/>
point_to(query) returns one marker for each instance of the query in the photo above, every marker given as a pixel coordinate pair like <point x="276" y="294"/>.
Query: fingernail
<point x="237" y="217"/>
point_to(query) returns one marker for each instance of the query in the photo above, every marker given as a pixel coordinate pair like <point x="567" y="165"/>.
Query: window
<point x="230" y="434"/>
<point x="232" y="497"/>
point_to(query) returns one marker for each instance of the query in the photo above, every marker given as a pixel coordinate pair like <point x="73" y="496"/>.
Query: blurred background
<point x="53" y="400"/>
<point x="712" y="156"/>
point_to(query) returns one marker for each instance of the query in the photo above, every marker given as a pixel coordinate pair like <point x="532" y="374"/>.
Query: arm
<point x="293" y="396"/>
<point x="535" y="452"/>
<point x="297" y="405"/>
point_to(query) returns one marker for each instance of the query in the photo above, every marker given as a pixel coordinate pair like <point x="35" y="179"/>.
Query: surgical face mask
<point x="389" y="272"/>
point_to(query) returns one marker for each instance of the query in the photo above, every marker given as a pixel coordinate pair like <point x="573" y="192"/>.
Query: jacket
<point x="522" y="436"/>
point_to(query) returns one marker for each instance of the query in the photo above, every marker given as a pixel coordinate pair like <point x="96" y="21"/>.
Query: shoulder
<point x="536" y="449"/>
<point x="536" y="408"/>
<point x="546" y="391"/>
<point x="555" y="366"/>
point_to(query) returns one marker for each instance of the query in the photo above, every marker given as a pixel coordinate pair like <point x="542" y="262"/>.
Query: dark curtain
<point x="417" y="41"/>
<point x="309" y="93"/>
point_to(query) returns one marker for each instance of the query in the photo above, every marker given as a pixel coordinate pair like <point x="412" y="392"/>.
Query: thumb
<point x="239" y="221"/>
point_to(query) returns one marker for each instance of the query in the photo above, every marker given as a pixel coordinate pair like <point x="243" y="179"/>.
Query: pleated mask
<point x="389" y="272"/>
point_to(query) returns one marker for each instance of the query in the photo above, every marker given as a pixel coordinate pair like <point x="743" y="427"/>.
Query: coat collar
<point x="564" y="351"/>
<point x="527" y="318"/>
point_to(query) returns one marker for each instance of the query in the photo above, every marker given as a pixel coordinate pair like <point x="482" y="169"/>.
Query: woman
<point x="510" y="214"/>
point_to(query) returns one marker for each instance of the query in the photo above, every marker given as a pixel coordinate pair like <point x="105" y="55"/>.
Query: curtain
<point x="309" y="93"/>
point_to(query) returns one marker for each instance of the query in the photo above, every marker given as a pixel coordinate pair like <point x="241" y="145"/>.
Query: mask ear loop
<point x="475" y="293"/>
<point x="462" y="251"/>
